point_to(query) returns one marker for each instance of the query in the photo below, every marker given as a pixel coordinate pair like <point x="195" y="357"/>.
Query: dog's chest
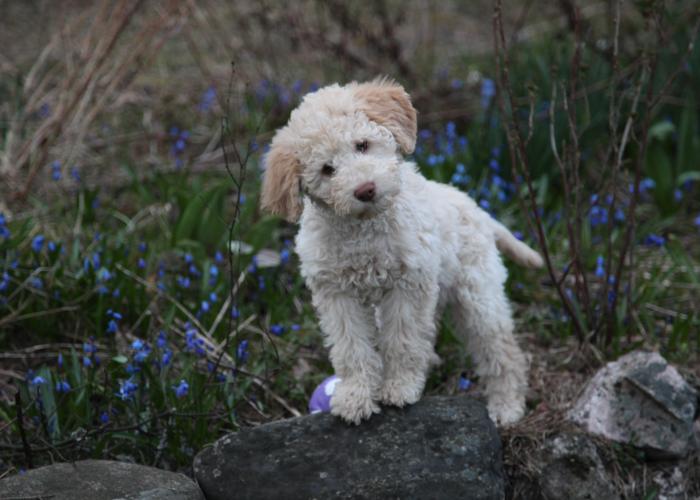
<point x="364" y="267"/>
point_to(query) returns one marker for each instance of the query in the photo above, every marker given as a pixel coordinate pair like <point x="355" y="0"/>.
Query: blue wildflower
<point x="208" y="99"/>
<point x="696" y="221"/>
<point x="242" y="351"/>
<point x="277" y="330"/>
<point x="235" y="313"/>
<point x="456" y="83"/>
<point x="63" y="386"/>
<point x="104" y="417"/>
<point x="599" y="270"/>
<point x="488" y="90"/>
<point x="494" y="165"/>
<point x="5" y="282"/>
<point x="518" y="235"/>
<point x="112" y="326"/>
<point x="75" y="174"/>
<point x="38" y="243"/>
<point x="213" y="297"/>
<point x="167" y="357"/>
<point x="655" y="240"/>
<point x="141" y="263"/>
<point x="484" y="204"/>
<point x="183" y="281"/>
<point x="137" y="344"/>
<point x="127" y="389"/>
<point x="284" y="256"/>
<point x="295" y="327"/>
<point x="56" y="170"/>
<point x="205" y="306"/>
<point x="38" y="380"/>
<point x="464" y="382"/>
<point x="87" y="362"/>
<point x="60" y="360"/>
<point x="162" y="339"/>
<point x="219" y="257"/>
<point x="188" y="258"/>
<point x="36" y="282"/>
<point x="182" y="389"/>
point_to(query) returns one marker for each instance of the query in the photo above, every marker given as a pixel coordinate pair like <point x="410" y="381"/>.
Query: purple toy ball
<point x="321" y="398"/>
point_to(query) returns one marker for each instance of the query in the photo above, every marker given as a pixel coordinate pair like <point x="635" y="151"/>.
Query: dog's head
<point x="342" y="147"/>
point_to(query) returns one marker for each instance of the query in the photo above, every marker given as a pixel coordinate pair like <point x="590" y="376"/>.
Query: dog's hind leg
<point x="483" y="318"/>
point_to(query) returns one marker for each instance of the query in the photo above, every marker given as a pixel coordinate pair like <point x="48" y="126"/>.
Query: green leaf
<point x="121" y="359"/>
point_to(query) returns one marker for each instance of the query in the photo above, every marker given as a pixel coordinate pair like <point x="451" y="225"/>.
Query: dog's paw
<point x="401" y="392"/>
<point x="353" y="402"/>
<point x="506" y="412"/>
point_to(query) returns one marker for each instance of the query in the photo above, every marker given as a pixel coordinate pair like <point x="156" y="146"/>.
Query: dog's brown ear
<point x="280" y="187"/>
<point x="387" y="103"/>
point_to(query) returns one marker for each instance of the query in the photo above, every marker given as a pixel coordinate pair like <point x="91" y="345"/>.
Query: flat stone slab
<point x="640" y="400"/>
<point x="441" y="447"/>
<point x="99" y="480"/>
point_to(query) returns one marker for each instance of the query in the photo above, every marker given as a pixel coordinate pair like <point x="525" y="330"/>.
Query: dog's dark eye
<point x="362" y="146"/>
<point x="328" y="170"/>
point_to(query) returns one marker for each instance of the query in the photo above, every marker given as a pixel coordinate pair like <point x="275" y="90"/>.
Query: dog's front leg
<point x="406" y="339"/>
<point x="350" y="333"/>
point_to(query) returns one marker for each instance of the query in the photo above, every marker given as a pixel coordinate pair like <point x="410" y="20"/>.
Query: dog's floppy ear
<point x="387" y="103"/>
<point x="280" y="188"/>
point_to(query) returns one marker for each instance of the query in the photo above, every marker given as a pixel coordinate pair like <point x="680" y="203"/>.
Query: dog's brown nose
<point x="366" y="191"/>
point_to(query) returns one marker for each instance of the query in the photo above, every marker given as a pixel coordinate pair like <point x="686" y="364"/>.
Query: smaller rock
<point x="640" y="400"/>
<point x="573" y="469"/>
<point x="672" y="483"/>
<point x="98" y="480"/>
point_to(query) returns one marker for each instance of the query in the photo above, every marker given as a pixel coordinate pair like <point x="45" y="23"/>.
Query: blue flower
<point x="75" y="174"/>
<point x="62" y="386"/>
<point x="87" y="362"/>
<point x="208" y="99"/>
<point x="36" y="282"/>
<point x="284" y="256"/>
<point x="56" y="170"/>
<point x="464" y="383"/>
<point x="696" y="221"/>
<point x="112" y="326"/>
<point x="127" y="389"/>
<point x="182" y="389"/>
<point x="456" y="83"/>
<point x="599" y="270"/>
<point x="484" y="204"/>
<point x="38" y="380"/>
<point x="167" y="357"/>
<point x="488" y="90"/>
<point x="5" y="282"/>
<point x="188" y="258"/>
<point x="141" y="263"/>
<point x="598" y="216"/>
<point x="183" y="281"/>
<point x="219" y="257"/>
<point x="60" y="360"/>
<point x="655" y="240"/>
<point x="142" y="247"/>
<point x="137" y="344"/>
<point x="104" y="417"/>
<point x="277" y="330"/>
<point x="295" y="327"/>
<point x="38" y="243"/>
<point x="205" y="306"/>
<point x="235" y="313"/>
<point x="242" y="351"/>
<point x="162" y="339"/>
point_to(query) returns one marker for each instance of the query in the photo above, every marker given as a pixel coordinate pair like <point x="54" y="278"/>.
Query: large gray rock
<point x="100" y="480"/>
<point x="441" y="447"/>
<point x="572" y="469"/>
<point x="640" y="400"/>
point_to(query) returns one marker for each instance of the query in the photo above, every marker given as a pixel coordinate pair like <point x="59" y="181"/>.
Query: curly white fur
<point x="381" y="271"/>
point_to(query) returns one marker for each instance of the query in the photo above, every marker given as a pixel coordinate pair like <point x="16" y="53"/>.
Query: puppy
<point x="384" y="250"/>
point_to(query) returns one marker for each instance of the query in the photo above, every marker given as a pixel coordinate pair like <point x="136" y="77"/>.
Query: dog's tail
<point x="514" y="248"/>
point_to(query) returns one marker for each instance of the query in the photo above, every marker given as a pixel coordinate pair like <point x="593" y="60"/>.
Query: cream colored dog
<point x="383" y="250"/>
